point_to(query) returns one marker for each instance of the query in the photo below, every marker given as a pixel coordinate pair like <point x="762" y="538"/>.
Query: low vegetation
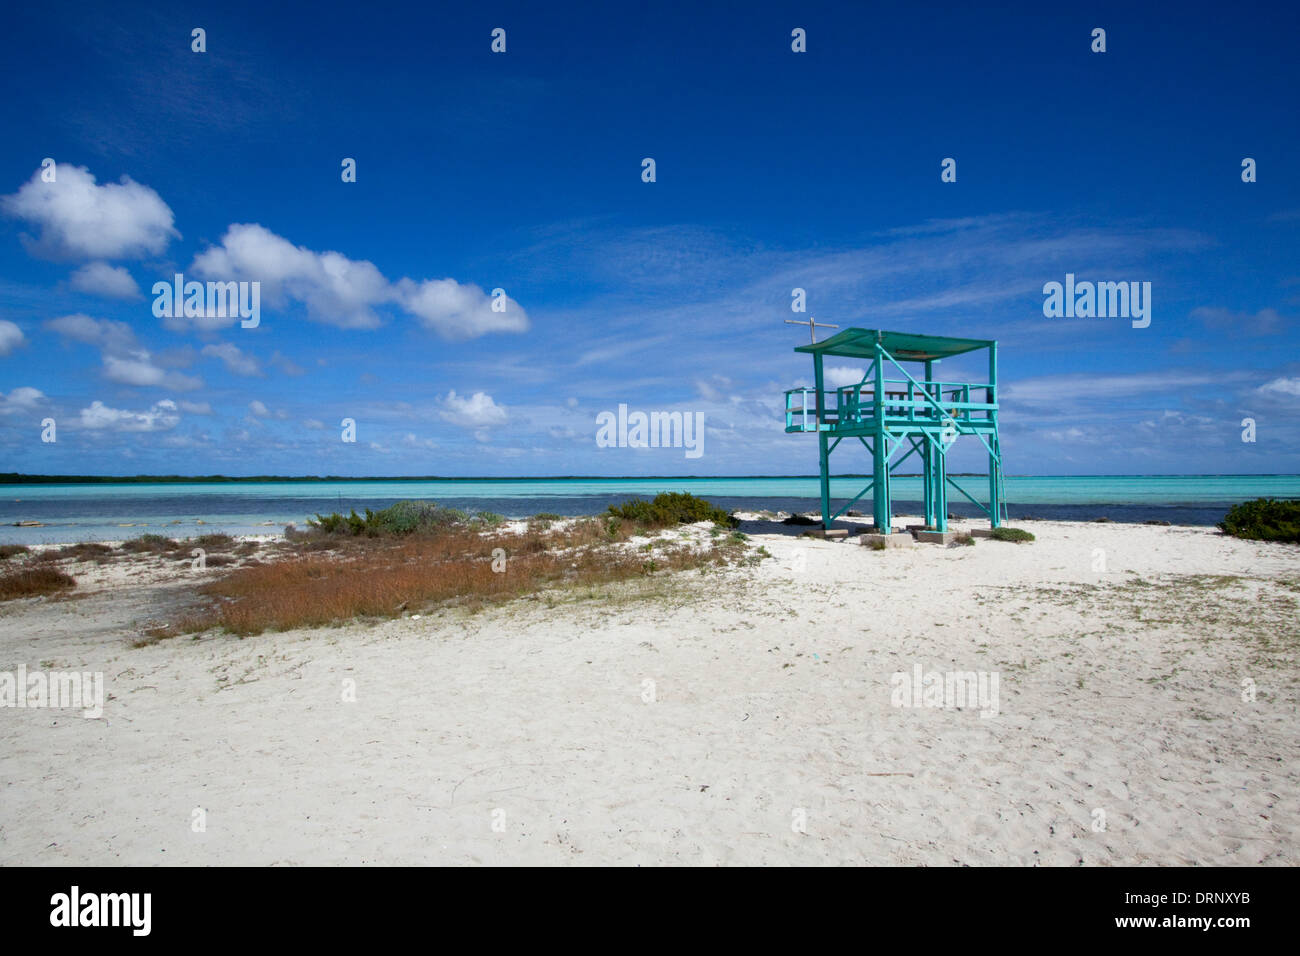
<point x="144" y="547"/>
<point x="84" y="551"/>
<point x="403" y="518"/>
<point x="13" y="550"/>
<point x="1017" y="535"/>
<point x="418" y="556"/>
<point x="34" y="581"/>
<point x="150" y="544"/>
<point x="672" y="508"/>
<point x="1264" y="519"/>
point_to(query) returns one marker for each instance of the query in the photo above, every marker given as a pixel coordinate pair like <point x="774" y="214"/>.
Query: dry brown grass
<point x="30" y="582"/>
<point x="85" y="551"/>
<point x="327" y="580"/>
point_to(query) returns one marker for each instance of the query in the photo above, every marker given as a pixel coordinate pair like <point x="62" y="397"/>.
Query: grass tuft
<point x="31" y="582"/>
<point x="1016" y="535"/>
<point x="151" y="544"/>
<point x="85" y="551"/>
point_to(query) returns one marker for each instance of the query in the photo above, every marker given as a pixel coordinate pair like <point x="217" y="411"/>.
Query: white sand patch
<point x="1120" y="691"/>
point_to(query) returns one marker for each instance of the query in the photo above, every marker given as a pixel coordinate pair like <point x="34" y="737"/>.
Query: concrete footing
<point x="902" y="540"/>
<point x="938" y="537"/>
<point x="833" y="534"/>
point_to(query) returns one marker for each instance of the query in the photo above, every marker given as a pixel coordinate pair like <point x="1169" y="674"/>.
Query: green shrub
<point x="1264" y="519"/>
<point x="547" y="516"/>
<point x="402" y="518"/>
<point x="671" y="508"/>
<point x="964" y="539"/>
<point x="1011" y="534"/>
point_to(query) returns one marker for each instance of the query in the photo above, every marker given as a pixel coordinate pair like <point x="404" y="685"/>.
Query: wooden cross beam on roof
<point x="813" y="326"/>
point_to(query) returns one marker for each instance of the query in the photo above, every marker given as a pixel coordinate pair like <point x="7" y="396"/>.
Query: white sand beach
<point x="738" y="717"/>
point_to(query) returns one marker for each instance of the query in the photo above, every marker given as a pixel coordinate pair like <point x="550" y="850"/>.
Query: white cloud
<point x="10" y="337"/>
<point x="258" y="409"/>
<point x="286" y="365"/>
<point x="1289" y="387"/>
<point x="137" y="368"/>
<point x="124" y="361"/>
<point x="458" y="311"/>
<point x="160" y="417"/>
<point x="112" y="282"/>
<point x="1263" y="322"/>
<point x="101" y="333"/>
<point x="196" y="408"/>
<point x="345" y="292"/>
<point x="335" y="289"/>
<point x="1050" y="389"/>
<point x="21" y="399"/>
<point x="82" y="220"/>
<point x="237" y="362"/>
<point x="477" y="411"/>
<point x="411" y="441"/>
<point x="313" y="423"/>
<point x="841" y="375"/>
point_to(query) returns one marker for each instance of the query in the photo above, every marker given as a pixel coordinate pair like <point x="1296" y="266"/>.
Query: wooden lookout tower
<point x="898" y="417"/>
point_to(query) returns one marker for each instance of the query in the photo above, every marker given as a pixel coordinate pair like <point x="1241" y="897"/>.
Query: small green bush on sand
<point x="670" y="508"/>
<point x="1264" y="519"/>
<point x="402" y="518"/>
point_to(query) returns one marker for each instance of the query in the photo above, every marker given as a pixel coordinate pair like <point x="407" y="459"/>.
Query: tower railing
<point x="854" y="406"/>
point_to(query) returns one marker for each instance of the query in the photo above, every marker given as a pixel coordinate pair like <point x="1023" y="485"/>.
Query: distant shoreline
<point x="16" y="478"/>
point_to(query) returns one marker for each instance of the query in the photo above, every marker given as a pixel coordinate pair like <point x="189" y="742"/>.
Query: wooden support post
<point x="824" y="456"/>
<point x="880" y="471"/>
<point x="927" y="454"/>
<point x="995" y="461"/>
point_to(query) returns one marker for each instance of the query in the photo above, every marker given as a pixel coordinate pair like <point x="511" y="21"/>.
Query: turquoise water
<point x="97" y="511"/>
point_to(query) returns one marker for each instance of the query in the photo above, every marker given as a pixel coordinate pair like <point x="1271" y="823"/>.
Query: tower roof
<point x="903" y="346"/>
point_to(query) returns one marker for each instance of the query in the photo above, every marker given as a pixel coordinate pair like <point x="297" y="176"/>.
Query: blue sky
<point x="523" y="171"/>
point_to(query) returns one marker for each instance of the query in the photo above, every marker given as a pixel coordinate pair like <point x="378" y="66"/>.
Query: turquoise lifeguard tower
<point x="896" y="418"/>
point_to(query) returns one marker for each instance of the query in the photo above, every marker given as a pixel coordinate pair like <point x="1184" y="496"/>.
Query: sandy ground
<point x="743" y="717"/>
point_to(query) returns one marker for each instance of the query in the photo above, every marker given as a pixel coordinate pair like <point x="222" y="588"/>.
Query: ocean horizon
<point x="114" y="509"/>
